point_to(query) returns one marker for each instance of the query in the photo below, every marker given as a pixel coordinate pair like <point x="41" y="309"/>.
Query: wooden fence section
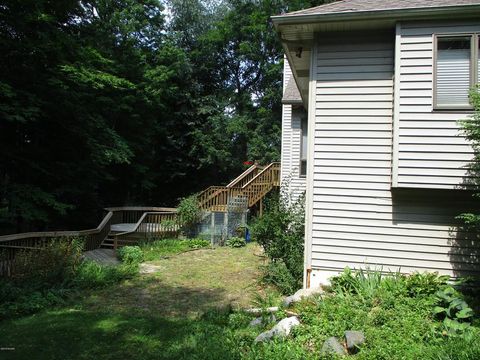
<point x="216" y="198"/>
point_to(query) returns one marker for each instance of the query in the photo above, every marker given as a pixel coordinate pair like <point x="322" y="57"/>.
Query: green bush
<point x="471" y="129"/>
<point x="130" y="254"/>
<point x="276" y="273"/>
<point x="453" y="309"/>
<point x="52" y="265"/>
<point x="189" y="214"/>
<point x="92" y="275"/>
<point x="280" y="231"/>
<point x="236" y="242"/>
<point x="369" y="283"/>
<point x="45" y="278"/>
<point x="198" y="243"/>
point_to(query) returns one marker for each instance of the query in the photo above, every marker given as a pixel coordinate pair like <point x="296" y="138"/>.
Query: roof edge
<point x="371" y="14"/>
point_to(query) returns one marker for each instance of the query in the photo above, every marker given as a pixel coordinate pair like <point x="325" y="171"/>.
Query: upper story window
<point x="456" y="70"/>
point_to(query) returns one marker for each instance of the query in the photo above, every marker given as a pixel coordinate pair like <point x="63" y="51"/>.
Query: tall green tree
<point x="131" y="102"/>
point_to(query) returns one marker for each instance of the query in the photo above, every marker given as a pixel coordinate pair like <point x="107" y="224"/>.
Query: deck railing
<point x="11" y="245"/>
<point x="154" y="224"/>
<point x="131" y="214"/>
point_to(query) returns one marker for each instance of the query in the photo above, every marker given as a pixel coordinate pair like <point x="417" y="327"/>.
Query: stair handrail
<point x="266" y="169"/>
<point x="244" y="175"/>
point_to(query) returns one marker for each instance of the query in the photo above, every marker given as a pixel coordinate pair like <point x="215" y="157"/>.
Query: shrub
<point x="370" y="283"/>
<point x="236" y="242"/>
<point x="198" y="243"/>
<point x="130" y="254"/>
<point x="92" y="275"/>
<point x="45" y="278"/>
<point x="189" y="214"/>
<point x="280" y="231"/>
<point x="471" y="129"/>
<point x="454" y="311"/>
<point x="277" y="274"/>
<point x="52" y="264"/>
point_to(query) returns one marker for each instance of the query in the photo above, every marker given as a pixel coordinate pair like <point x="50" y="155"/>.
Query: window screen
<point x="454" y="75"/>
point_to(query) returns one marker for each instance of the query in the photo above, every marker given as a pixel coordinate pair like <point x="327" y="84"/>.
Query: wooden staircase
<point x="250" y="187"/>
<point x="253" y="185"/>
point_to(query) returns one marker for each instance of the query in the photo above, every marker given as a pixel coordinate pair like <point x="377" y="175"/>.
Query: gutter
<point x="393" y="14"/>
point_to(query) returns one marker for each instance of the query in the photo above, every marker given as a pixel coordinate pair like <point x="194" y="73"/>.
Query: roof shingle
<point x="291" y="94"/>
<point x="354" y="6"/>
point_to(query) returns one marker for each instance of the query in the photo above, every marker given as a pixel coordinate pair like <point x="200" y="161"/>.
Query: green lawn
<point x="153" y="316"/>
<point x="184" y="311"/>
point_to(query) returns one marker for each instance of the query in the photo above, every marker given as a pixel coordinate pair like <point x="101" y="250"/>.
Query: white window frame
<point x="474" y="76"/>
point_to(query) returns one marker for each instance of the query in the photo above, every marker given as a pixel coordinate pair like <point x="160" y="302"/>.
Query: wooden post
<point x="225" y="224"/>
<point x="261" y="207"/>
<point x="212" y="227"/>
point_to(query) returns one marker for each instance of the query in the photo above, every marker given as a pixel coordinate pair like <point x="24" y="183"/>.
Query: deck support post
<point x="212" y="227"/>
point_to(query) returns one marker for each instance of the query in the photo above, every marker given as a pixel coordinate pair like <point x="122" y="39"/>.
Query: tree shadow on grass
<point x="151" y="294"/>
<point x="119" y="333"/>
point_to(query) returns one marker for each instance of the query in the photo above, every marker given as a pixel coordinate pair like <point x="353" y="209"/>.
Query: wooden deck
<point x="102" y="256"/>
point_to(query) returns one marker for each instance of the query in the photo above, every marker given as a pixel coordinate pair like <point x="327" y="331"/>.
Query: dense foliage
<point x="130" y="254"/>
<point x="471" y="129"/>
<point x="281" y="232"/>
<point x="47" y="278"/>
<point x="106" y="103"/>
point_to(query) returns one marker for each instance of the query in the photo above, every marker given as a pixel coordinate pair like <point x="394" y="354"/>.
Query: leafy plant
<point x="280" y="231"/>
<point x="189" y="214"/>
<point x="236" y="242"/>
<point x="471" y="129"/>
<point x="455" y="311"/>
<point x="52" y="264"/>
<point x="130" y="254"/>
<point x="277" y="274"/>
<point x="92" y="275"/>
<point x="198" y="243"/>
<point x="424" y="284"/>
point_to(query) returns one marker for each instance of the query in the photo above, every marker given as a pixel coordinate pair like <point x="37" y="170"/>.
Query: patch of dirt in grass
<point x="190" y="283"/>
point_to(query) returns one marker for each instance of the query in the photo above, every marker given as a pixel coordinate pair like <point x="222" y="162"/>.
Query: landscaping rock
<point x="282" y="329"/>
<point x="354" y="340"/>
<point x="260" y="311"/>
<point x="259" y="321"/>
<point x="300" y="294"/>
<point x="332" y="346"/>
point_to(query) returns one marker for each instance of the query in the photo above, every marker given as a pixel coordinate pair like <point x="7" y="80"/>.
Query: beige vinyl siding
<point x="432" y="152"/>
<point x="357" y="220"/>
<point x="291" y="142"/>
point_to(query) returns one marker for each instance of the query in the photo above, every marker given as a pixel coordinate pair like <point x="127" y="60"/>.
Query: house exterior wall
<point x="430" y="150"/>
<point x="292" y="184"/>
<point x="354" y="216"/>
